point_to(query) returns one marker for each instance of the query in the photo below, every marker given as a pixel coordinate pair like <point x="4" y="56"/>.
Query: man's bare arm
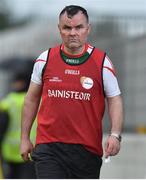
<point x="115" y="111"/>
<point x="29" y="112"/>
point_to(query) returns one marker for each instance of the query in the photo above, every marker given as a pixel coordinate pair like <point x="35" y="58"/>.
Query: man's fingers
<point x="112" y="147"/>
<point x="108" y="149"/>
<point x="25" y="157"/>
<point x="111" y="151"/>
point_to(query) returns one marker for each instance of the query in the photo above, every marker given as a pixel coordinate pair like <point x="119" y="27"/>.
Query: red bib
<point x="72" y="104"/>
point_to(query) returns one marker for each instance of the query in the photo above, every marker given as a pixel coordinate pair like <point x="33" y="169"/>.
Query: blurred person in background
<point x="72" y="81"/>
<point x="3" y="128"/>
<point x="14" y="166"/>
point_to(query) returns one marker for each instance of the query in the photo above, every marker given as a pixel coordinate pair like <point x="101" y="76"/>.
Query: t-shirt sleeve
<point x="111" y="86"/>
<point x="40" y="62"/>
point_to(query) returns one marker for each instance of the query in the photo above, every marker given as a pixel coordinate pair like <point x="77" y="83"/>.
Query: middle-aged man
<point x="72" y="81"/>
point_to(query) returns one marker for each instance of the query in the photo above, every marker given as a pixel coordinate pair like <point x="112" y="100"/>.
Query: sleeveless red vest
<point x="72" y="104"/>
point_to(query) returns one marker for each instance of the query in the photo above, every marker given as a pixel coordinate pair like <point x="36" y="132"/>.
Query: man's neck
<point x="79" y="58"/>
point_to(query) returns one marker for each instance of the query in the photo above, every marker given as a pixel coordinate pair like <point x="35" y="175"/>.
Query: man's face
<point x="74" y="30"/>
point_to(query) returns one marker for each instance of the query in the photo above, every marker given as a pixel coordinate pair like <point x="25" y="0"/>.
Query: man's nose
<point x="73" y="31"/>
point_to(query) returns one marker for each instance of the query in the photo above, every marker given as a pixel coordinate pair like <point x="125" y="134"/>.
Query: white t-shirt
<point x="111" y="87"/>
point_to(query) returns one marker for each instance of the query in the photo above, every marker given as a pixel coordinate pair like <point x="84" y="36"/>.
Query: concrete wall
<point x="130" y="163"/>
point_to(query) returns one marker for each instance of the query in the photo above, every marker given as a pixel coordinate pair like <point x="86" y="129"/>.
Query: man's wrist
<point x="25" y="137"/>
<point x="117" y="136"/>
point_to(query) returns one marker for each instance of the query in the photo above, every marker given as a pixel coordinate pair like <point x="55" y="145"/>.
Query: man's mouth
<point x="73" y="40"/>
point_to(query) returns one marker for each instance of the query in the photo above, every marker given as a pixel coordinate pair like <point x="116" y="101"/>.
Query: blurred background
<point x="28" y="27"/>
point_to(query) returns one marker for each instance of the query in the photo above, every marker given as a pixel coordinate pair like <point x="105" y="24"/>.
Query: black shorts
<point x="65" y="161"/>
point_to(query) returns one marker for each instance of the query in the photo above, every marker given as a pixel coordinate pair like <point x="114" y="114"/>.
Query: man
<point x="14" y="166"/>
<point x="72" y="80"/>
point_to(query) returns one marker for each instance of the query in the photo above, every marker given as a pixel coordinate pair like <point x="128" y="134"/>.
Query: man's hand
<point x="112" y="146"/>
<point x="26" y="148"/>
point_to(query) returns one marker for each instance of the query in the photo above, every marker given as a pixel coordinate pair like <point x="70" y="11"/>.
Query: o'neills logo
<point x="69" y="94"/>
<point x="86" y="82"/>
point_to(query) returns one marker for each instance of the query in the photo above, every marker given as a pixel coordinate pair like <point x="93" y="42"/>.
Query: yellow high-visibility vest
<point x="11" y="143"/>
<point x="1" y="172"/>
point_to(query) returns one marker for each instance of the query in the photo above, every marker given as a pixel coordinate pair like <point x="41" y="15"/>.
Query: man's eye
<point x="79" y="27"/>
<point x="67" y="28"/>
